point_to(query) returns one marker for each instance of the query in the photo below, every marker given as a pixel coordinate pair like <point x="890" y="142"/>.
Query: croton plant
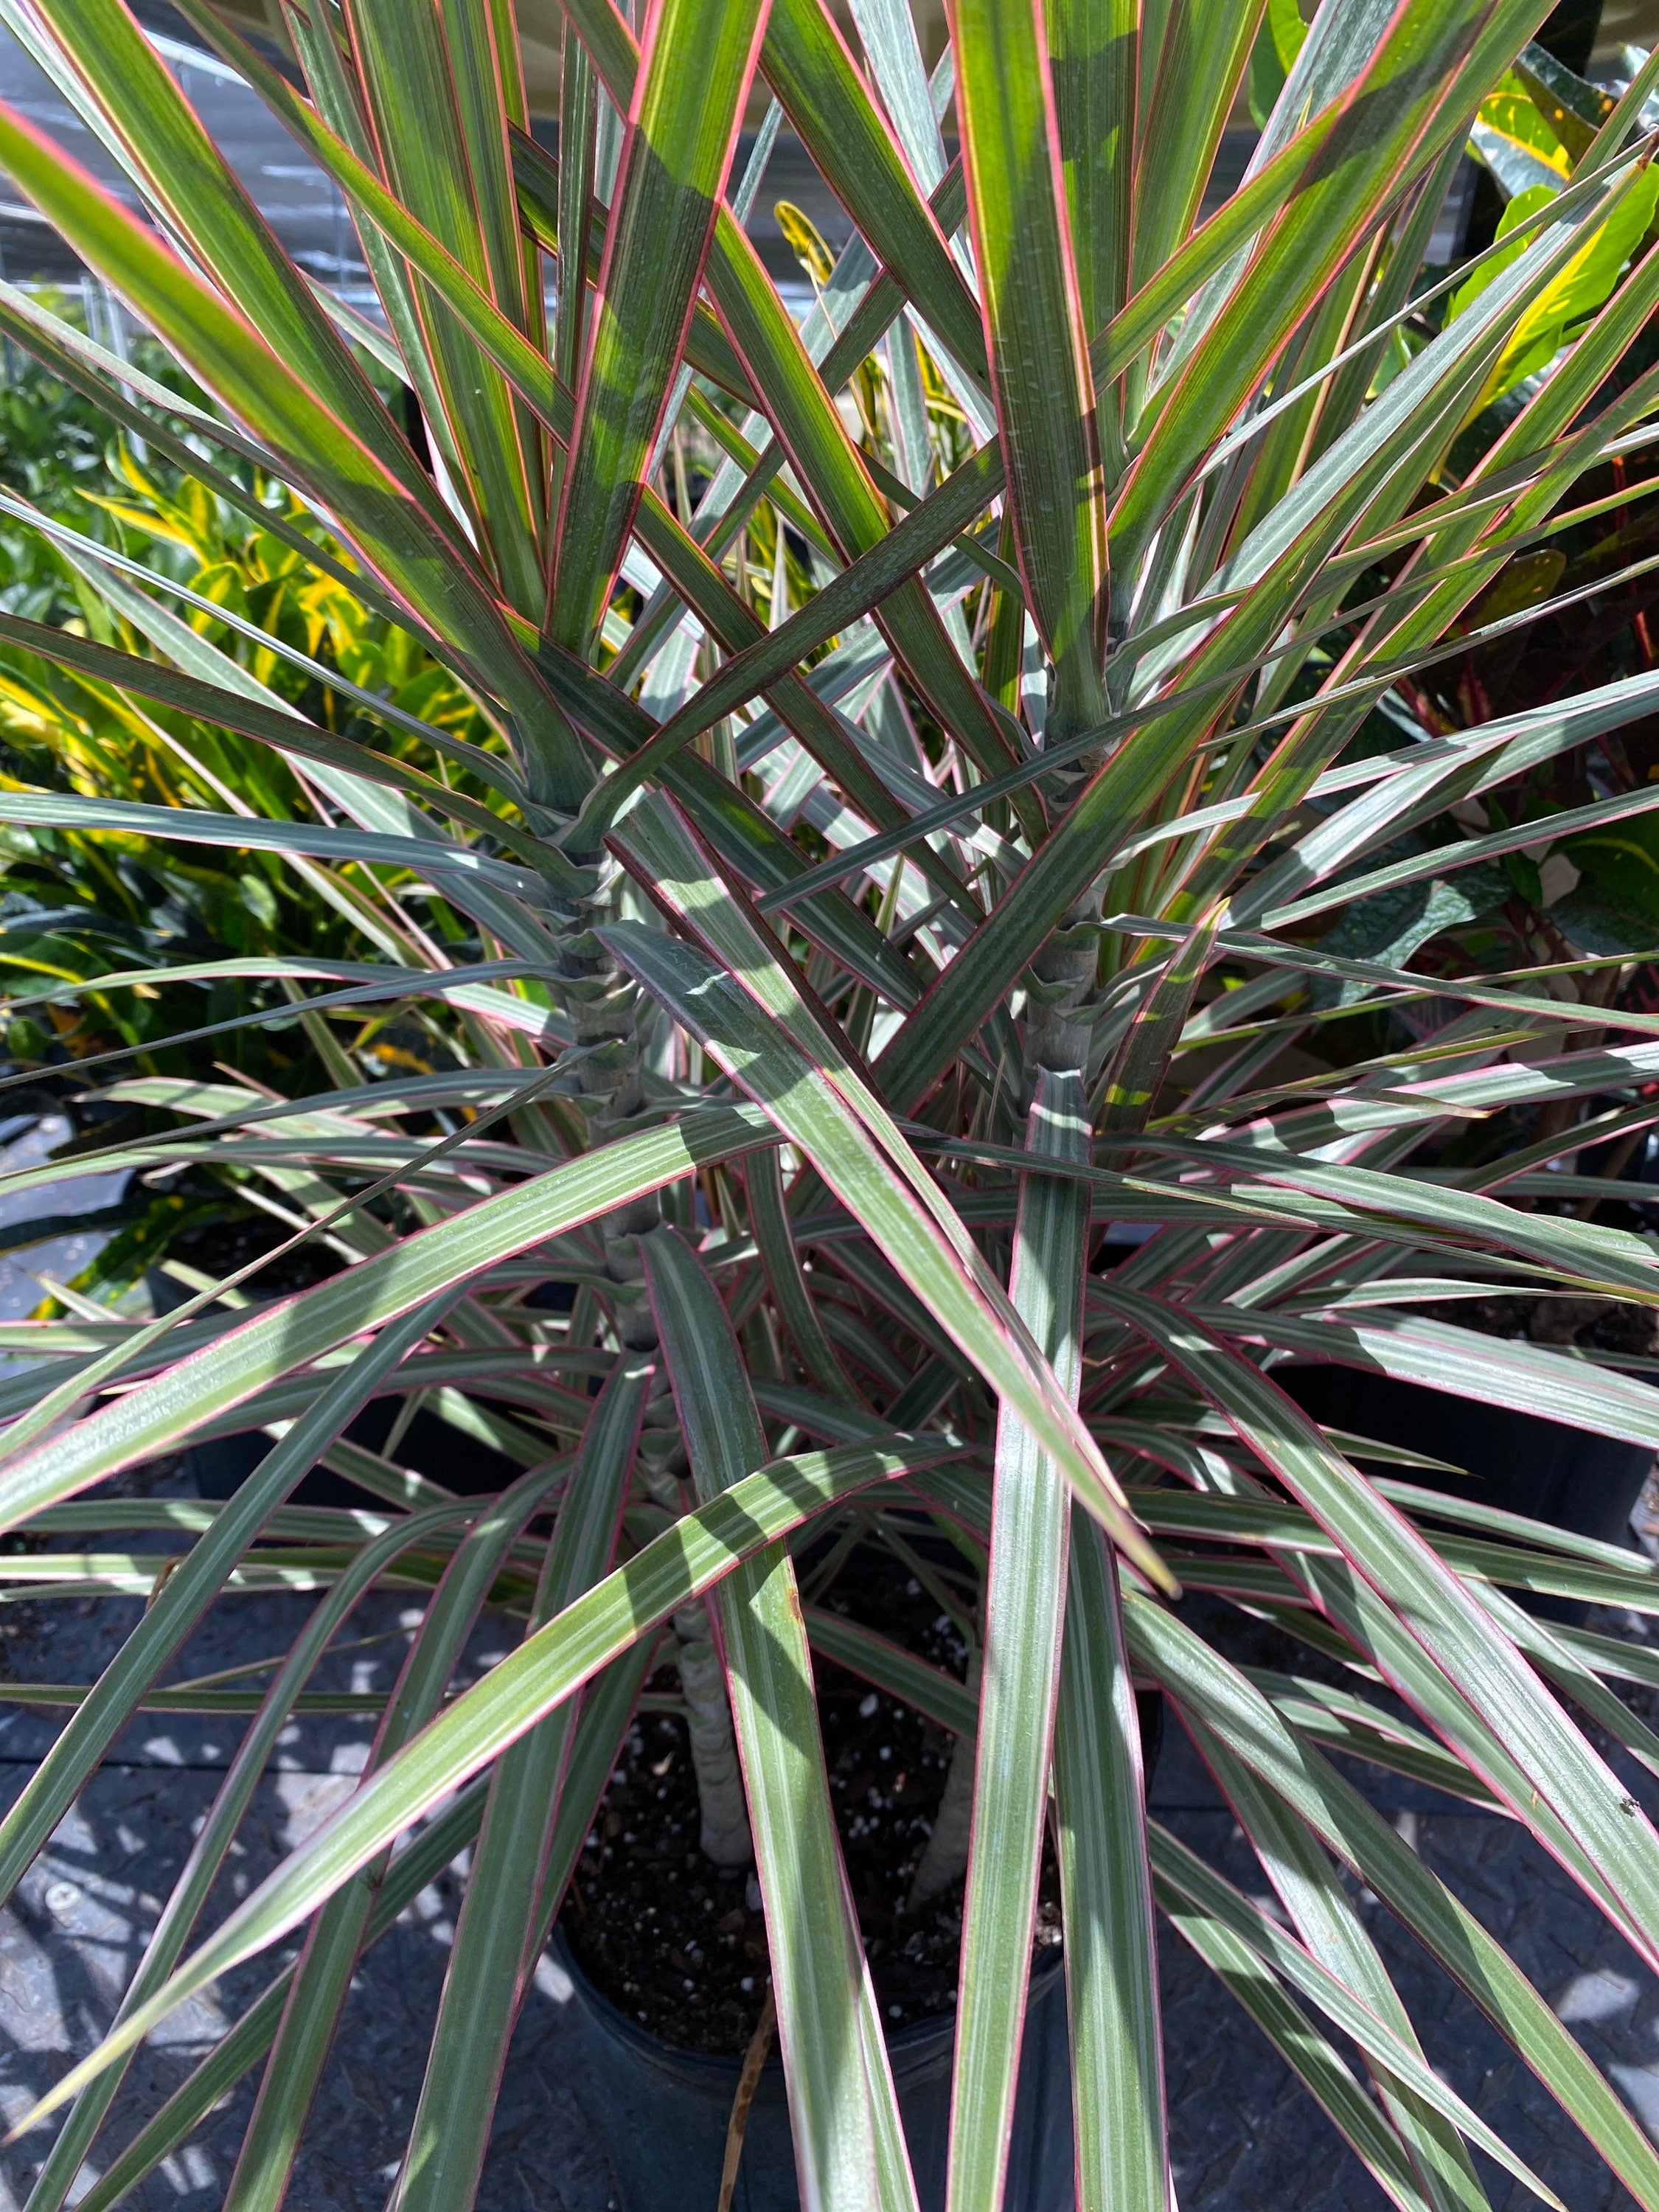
<point x="1022" y="733"/>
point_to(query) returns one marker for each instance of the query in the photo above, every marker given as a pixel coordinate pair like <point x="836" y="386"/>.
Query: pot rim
<point x="917" y="2039"/>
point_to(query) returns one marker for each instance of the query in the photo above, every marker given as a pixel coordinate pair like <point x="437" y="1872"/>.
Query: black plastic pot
<point x="1514" y="1461"/>
<point x="664" y="2112"/>
<point x="428" y="1445"/>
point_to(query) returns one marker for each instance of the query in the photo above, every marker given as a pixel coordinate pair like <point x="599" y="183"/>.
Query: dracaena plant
<point x="919" y="744"/>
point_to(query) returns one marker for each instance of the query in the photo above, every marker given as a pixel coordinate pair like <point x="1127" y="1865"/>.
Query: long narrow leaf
<point x="550" y="1667"/>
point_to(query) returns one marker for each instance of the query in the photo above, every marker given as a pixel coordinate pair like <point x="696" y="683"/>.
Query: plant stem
<point x="945" y="1859"/>
<point x="724" y="1833"/>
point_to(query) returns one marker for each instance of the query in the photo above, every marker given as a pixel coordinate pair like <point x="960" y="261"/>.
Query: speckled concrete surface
<point x="1245" y="2138"/>
<point x="77" y="1926"/>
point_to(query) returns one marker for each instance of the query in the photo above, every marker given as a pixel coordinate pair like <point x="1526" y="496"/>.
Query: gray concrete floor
<point x="73" y="1933"/>
<point x="1244" y="2134"/>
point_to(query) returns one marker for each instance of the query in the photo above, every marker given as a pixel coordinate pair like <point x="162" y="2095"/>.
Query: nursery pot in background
<point x="430" y="1445"/>
<point x="1517" y="1461"/>
<point x="221" y="1465"/>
